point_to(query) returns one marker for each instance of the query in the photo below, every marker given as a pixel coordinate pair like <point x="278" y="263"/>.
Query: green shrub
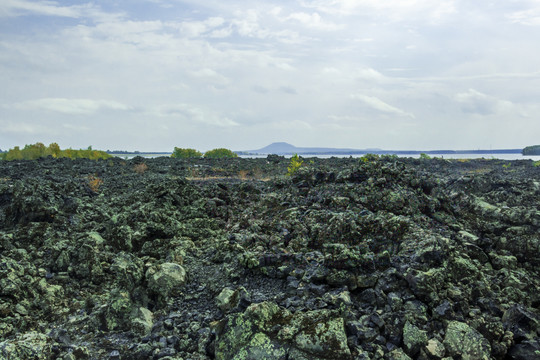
<point x="180" y="153"/>
<point x="369" y="157"/>
<point x="219" y="153"/>
<point x="424" y="156"/>
<point x="294" y="165"/>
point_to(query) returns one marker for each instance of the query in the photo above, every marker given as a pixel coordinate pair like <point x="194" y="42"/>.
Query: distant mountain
<point x="283" y="148"/>
<point x="277" y="148"/>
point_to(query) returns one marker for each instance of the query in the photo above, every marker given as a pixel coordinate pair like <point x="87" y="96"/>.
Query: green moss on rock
<point x="266" y="329"/>
<point x="29" y="346"/>
<point x="261" y="347"/>
<point x="465" y="342"/>
<point x="413" y="338"/>
<point x="165" y="279"/>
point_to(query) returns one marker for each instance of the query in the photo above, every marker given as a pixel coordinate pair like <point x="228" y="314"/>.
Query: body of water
<point x="416" y="156"/>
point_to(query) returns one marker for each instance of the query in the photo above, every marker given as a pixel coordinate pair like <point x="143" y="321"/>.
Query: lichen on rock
<point x="463" y="341"/>
<point x="267" y="328"/>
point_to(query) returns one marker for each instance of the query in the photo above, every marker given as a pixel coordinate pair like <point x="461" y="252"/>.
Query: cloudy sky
<point x="149" y="75"/>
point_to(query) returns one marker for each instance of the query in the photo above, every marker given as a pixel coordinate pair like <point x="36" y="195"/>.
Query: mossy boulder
<point x="121" y="313"/>
<point x="29" y="346"/>
<point x="127" y="270"/>
<point x="11" y="278"/>
<point x="465" y="342"/>
<point x="413" y="338"/>
<point x="272" y="332"/>
<point x="322" y="335"/>
<point x="165" y="279"/>
<point x="228" y="298"/>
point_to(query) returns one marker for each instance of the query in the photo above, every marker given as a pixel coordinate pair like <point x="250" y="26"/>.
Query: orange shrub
<point x="140" y="168"/>
<point x="94" y="183"/>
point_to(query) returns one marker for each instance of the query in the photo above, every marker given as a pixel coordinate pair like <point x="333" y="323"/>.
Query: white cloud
<point x="198" y="28"/>
<point x="258" y="24"/>
<point x="190" y="113"/>
<point x="13" y="8"/>
<point x="393" y="10"/>
<point x="530" y="16"/>
<point x="475" y="102"/>
<point x="23" y="128"/>
<point x="50" y="8"/>
<point x="147" y="34"/>
<point x="247" y="24"/>
<point x="331" y="70"/>
<point x="379" y="105"/>
<point x="313" y="20"/>
<point x="71" y="106"/>
<point x="370" y="74"/>
<point x="348" y="119"/>
<point x="210" y="75"/>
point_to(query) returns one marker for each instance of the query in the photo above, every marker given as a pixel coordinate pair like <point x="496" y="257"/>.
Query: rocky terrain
<point x="365" y="258"/>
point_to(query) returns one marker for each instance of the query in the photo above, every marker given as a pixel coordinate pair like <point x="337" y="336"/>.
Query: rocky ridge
<point x="369" y="258"/>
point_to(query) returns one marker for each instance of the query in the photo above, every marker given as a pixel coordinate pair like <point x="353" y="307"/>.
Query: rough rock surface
<point x="366" y="258"/>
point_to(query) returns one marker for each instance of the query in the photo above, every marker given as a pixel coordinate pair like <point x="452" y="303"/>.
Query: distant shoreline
<point x="386" y="152"/>
<point x="339" y="152"/>
<point x="283" y="148"/>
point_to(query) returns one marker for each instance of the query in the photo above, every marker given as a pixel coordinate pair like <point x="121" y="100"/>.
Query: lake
<point x="444" y="156"/>
<point x="416" y="156"/>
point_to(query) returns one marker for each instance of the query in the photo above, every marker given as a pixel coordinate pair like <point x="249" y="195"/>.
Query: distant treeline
<point x="531" y="150"/>
<point x="38" y="150"/>
<point x="180" y="153"/>
<point x="122" y="152"/>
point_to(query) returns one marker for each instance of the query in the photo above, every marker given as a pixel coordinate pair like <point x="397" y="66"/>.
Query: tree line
<point x="39" y="150"/>
<point x="531" y="150"/>
<point x="180" y="153"/>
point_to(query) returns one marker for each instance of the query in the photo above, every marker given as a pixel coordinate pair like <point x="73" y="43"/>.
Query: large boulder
<point x="465" y="342"/>
<point x="121" y="313"/>
<point x="29" y="346"/>
<point x="267" y="331"/>
<point x="413" y="338"/>
<point x="165" y="279"/>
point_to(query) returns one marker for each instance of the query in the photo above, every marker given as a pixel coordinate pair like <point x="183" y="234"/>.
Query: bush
<point x="294" y="165"/>
<point x="180" y="153"/>
<point x="140" y="168"/>
<point x="369" y="158"/>
<point x="219" y="153"/>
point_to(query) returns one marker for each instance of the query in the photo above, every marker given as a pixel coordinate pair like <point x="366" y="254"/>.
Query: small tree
<point x="35" y="151"/>
<point x="219" y="153"/>
<point x="180" y="153"/>
<point x="55" y="150"/>
<point x="294" y="165"/>
<point x="14" y="154"/>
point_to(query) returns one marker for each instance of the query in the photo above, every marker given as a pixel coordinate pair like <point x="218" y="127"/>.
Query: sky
<point x="150" y="75"/>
